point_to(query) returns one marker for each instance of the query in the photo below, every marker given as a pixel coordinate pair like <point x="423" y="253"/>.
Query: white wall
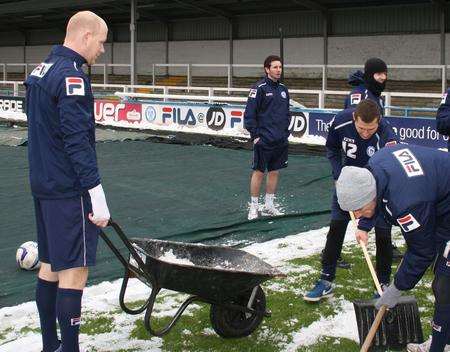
<point x="200" y="52"/>
<point x="37" y="54"/>
<point x="11" y="54"/>
<point x="147" y="54"/>
<point x="423" y="49"/>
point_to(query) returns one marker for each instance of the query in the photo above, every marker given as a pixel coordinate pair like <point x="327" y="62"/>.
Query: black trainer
<point x="341" y="263"/>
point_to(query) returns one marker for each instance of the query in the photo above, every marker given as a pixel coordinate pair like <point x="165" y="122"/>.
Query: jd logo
<point x="215" y="118"/>
<point x="298" y="125"/>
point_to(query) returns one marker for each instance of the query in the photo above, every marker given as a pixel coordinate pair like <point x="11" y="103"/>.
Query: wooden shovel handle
<point x="373" y="329"/>
<point x="369" y="262"/>
<point x="379" y="317"/>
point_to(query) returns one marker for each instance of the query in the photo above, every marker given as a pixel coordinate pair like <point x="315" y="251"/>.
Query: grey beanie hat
<point x="355" y="188"/>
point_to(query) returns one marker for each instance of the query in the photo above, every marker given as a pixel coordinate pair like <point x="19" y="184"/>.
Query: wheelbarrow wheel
<point x="230" y="323"/>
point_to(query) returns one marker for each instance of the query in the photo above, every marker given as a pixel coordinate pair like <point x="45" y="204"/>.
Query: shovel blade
<point x="400" y="325"/>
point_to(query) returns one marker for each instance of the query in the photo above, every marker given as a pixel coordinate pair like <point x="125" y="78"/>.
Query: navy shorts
<point x="269" y="158"/>
<point x="66" y="237"/>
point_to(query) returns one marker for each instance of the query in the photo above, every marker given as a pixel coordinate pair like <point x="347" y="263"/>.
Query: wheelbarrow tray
<point x="226" y="278"/>
<point x="215" y="273"/>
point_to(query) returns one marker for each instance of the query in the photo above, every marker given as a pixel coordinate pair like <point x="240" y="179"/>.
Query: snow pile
<point x="170" y="257"/>
<point x="103" y="298"/>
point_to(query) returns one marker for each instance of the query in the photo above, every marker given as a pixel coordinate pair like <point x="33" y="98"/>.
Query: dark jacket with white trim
<point x="413" y="192"/>
<point x="267" y="113"/>
<point x="345" y="147"/>
<point x="61" y="127"/>
<point x="361" y="92"/>
<point x="443" y="117"/>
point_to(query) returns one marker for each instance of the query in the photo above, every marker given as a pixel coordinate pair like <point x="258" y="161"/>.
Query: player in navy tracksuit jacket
<point x="443" y="117"/>
<point x="354" y="136"/>
<point x="413" y="192"/>
<point x="68" y="196"/>
<point x="267" y="119"/>
<point x="368" y="85"/>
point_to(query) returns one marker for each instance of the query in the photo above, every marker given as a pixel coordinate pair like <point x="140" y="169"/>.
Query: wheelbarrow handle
<point x="130" y="248"/>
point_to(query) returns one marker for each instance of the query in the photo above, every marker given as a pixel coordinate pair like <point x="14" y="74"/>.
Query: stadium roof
<point x="34" y="14"/>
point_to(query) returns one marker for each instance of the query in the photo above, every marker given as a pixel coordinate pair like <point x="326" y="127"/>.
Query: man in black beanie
<point x="368" y="84"/>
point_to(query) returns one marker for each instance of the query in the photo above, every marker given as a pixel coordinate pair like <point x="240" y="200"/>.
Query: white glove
<point x="390" y="297"/>
<point x="99" y="207"/>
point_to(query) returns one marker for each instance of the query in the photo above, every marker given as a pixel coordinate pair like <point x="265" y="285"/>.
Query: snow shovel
<point x="400" y="326"/>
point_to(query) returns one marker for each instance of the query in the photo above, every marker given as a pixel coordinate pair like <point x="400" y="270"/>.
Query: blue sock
<point x="46" y="305"/>
<point x="441" y="327"/>
<point x="68" y="306"/>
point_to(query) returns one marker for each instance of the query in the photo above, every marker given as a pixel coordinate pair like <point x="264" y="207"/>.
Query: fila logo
<point x="390" y="143"/>
<point x="409" y="162"/>
<point x="252" y="93"/>
<point x="408" y="223"/>
<point x="41" y="69"/>
<point x="75" y="321"/>
<point x="355" y="99"/>
<point x="444" y="98"/>
<point x="74" y="86"/>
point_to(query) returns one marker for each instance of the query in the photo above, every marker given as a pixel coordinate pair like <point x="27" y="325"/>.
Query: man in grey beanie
<point x="357" y="191"/>
<point x="410" y="186"/>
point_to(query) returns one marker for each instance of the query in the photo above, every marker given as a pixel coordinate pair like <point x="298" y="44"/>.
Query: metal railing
<point x="105" y="70"/>
<point x="212" y="94"/>
<point x="324" y="70"/>
<point x="15" y="86"/>
<point x="25" y="66"/>
<point x="211" y="97"/>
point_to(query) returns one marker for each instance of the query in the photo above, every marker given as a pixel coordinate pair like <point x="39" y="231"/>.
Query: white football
<point x="27" y="256"/>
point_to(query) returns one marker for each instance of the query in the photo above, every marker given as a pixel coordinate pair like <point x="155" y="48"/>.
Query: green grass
<point x="290" y="312"/>
<point x="96" y="325"/>
<point x="4" y="333"/>
<point x="26" y="330"/>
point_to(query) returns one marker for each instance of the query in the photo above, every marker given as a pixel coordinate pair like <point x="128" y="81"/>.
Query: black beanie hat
<point x="374" y="65"/>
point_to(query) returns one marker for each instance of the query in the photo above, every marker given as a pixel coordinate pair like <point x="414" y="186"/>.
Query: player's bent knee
<point x="382" y="233"/>
<point x="441" y="289"/>
<point x="46" y="273"/>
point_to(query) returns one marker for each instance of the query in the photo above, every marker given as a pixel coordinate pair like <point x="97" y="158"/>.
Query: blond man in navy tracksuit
<point x="69" y="201"/>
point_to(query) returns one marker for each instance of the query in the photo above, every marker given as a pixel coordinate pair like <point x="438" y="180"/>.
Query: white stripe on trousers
<point x="84" y="232"/>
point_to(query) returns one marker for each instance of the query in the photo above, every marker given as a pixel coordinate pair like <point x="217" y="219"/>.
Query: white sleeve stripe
<point x="343" y="124"/>
<point x="262" y="84"/>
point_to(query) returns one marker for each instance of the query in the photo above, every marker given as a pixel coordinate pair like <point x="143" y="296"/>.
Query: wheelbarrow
<point x="228" y="279"/>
